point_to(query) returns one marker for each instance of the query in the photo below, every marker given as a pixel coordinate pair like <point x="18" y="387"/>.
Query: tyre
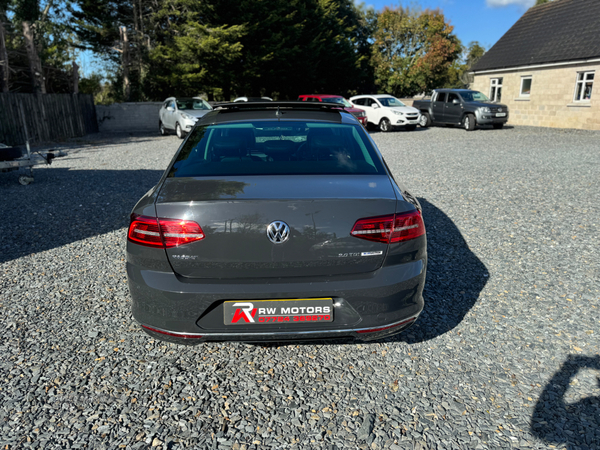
<point x="25" y="180"/>
<point x="385" y="125"/>
<point x="469" y="122"/>
<point x="161" y="128"/>
<point x="498" y="126"/>
<point x="425" y="120"/>
<point x="410" y="127"/>
<point x="178" y="131"/>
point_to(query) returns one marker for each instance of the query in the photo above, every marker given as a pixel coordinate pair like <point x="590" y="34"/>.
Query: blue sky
<point x="473" y="20"/>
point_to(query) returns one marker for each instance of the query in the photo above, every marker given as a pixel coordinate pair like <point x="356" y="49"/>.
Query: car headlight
<point x="188" y="117"/>
<point x="486" y="110"/>
<point x="361" y="114"/>
<point x="398" y="113"/>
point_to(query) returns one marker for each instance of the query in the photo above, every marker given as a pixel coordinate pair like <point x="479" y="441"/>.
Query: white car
<point x="387" y="112"/>
<point x="181" y="114"/>
<point x="253" y="99"/>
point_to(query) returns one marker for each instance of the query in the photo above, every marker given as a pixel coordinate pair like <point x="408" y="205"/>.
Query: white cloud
<point x="502" y="3"/>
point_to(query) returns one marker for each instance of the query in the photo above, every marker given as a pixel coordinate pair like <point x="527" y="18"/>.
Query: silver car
<point x="181" y="114"/>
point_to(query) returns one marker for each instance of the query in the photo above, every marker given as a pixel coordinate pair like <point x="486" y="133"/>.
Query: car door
<point x="169" y="118"/>
<point x="376" y="113"/>
<point x="453" y="111"/>
<point x="438" y="104"/>
<point x="365" y="103"/>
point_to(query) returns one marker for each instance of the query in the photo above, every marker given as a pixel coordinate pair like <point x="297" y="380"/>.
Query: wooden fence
<point x="45" y="117"/>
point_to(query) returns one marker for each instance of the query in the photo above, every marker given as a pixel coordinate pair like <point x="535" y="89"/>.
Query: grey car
<point x="180" y="114"/>
<point x="276" y="222"/>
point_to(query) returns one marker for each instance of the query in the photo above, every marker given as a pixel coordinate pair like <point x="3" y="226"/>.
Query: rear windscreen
<point x="276" y="148"/>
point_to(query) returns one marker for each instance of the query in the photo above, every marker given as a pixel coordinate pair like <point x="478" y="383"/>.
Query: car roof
<point x="455" y="90"/>
<point x="321" y="95"/>
<point x="373" y="95"/>
<point x="281" y="111"/>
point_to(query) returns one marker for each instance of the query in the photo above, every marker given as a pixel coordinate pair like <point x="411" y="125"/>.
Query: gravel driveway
<point x="505" y="354"/>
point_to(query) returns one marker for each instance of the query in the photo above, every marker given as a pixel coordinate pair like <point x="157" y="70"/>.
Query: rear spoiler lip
<point x="295" y="105"/>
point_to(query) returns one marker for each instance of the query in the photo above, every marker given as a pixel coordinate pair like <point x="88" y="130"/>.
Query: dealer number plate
<point x="282" y="312"/>
<point x="500" y="114"/>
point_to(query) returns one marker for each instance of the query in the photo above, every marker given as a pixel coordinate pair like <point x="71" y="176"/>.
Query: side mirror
<point x="455" y="102"/>
<point x="374" y="105"/>
<point x="170" y="108"/>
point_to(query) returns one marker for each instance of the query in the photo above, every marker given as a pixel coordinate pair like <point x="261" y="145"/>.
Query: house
<point x="546" y="67"/>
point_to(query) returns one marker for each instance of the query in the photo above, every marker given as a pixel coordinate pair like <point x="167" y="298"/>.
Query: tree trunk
<point x="35" y="65"/>
<point x="75" y="78"/>
<point x="125" y="63"/>
<point x="3" y="56"/>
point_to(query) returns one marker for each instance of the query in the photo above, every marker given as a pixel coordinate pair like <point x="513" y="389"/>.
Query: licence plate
<point x="282" y="312"/>
<point x="500" y="114"/>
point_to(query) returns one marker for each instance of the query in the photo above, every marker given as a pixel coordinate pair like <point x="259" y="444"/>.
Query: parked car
<point x="274" y="224"/>
<point x="360" y="114"/>
<point x="461" y="107"/>
<point x="253" y="99"/>
<point x="180" y="115"/>
<point x="387" y="112"/>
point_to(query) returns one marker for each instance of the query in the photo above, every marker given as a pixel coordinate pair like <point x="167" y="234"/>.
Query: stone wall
<point x="550" y="103"/>
<point x="128" y="117"/>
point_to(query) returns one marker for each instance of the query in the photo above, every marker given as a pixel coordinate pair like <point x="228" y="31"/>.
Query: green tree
<point x="412" y="51"/>
<point x="458" y="73"/>
<point x="191" y="53"/>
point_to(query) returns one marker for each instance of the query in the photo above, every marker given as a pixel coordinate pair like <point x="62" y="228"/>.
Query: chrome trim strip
<point x="283" y="333"/>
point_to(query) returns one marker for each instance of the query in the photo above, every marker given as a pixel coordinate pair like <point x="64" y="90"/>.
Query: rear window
<point x="276" y="148"/>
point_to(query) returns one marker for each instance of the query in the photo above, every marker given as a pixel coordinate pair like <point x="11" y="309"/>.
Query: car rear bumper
<point x="366" y="307"/>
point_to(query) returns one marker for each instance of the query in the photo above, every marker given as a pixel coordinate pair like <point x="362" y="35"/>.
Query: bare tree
<point x="125" y="59"/>
<point x="3" y="56"/>
<point x="35" y="64"/>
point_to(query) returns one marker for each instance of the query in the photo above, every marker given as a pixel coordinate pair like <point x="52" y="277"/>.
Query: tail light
<point x="390" y="229"/>
<point x="159" y="232"/>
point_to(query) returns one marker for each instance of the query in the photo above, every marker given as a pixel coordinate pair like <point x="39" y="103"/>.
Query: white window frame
<point x="495" y="83"/>
<point x="523" y="78"/>
<point x="583" y="82"/>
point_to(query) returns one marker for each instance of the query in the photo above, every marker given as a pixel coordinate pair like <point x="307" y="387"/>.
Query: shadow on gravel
<point x="577" y="425"/>
<point x="455" y="277"/>
<point x="63" y="206"/>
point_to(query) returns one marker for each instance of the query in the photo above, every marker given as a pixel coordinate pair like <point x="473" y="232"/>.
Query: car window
<point x="441" y="97"/>
<point x="276" y="148"/>
<point x="474" y="96"/>
<point x="451" y="97"/>
<point x="192" y="104"/>
<point x="391" y="102"/>
<point x="358" y="101"/>
<point x="369" y="101"/>
<point x="171" y="104"/>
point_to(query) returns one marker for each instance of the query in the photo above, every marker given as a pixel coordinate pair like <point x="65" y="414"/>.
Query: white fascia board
<point x="537" y="66"/>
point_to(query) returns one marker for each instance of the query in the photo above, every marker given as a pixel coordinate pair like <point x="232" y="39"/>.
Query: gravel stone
<point x="505" y="354"/>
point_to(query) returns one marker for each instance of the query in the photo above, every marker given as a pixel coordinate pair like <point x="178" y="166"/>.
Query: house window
<point x="496" y="89"/>
<point x="583" y="86"/>
<point x="525" y="86"/>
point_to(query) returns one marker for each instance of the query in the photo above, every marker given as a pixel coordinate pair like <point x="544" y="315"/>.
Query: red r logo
<point x="246" y="311"/>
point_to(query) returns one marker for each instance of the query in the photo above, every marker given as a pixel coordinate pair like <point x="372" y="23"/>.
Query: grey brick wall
<point x="124" y="117"/>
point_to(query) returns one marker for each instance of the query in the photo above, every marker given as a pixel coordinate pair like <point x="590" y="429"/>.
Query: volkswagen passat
<point x="276" y="221"/>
